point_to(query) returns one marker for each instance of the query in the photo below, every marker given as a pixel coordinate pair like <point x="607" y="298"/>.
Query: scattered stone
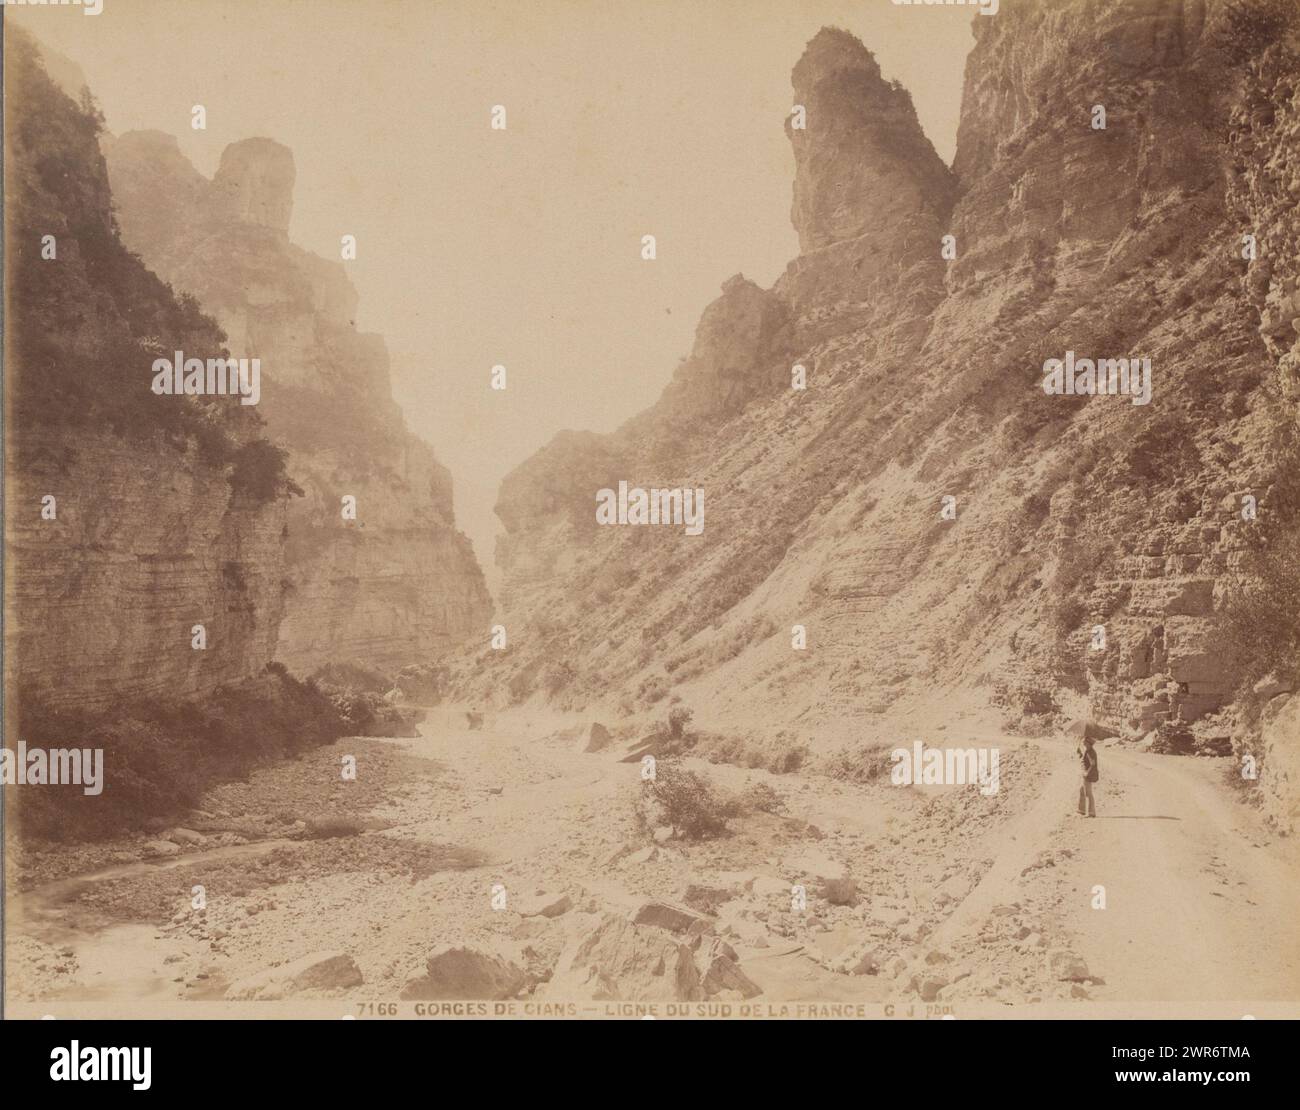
<point x="1066" y="965"/>
<point x="598" y="738"/>
<point x="616" y="855"/>
<point x="828" y="877"/>
<point x="186" y="837"/>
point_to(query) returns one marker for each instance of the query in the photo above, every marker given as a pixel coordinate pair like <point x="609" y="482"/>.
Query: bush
<point x="861" y="764"/>
<point x="678" y="719"/>
<point x="82" y="335"/>
<point x="424" y="682"/>
<point x="160" y="756"/>
<point x="354" y="675"/>
<point x="357" y="710"/>
<point x="759" y="797"/>
<point x="258" y="471"/>
<point x="1250" y="26"/>
<point x="690" y="802"/>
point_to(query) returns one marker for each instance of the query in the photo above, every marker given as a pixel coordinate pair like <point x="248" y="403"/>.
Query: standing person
<point x="1088" y="763"/>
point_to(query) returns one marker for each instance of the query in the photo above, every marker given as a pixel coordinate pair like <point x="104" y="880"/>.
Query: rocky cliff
<point x="130" y="518"/>
<point x="397" y="584"/>
<point x="1085" y="557"/>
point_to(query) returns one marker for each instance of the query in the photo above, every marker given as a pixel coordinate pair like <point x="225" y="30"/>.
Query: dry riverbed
<point x="511" y="861"/>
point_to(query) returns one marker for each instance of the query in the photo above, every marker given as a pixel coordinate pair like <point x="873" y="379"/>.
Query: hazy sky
<point x="522" y="246"/>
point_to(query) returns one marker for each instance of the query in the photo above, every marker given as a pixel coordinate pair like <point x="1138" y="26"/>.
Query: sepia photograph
<point x="729" y="510"/>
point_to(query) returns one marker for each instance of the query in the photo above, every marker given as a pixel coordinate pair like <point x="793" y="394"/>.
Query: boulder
<point x="543" y="904"/>
<point x="722" y="971"/>
<point x="160" y="848"/>
<point x="706" y="897"/>
<point x="317" y="971"/>
<point x="676" y="919"/>
<point x="463" y="972"/>
<point x="598" y="738"/>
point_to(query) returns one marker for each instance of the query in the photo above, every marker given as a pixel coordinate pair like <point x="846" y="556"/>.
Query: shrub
<point x="690" y="802"/>
<point x="82" y="335"/>
<point x="424" y="682"/>
<point x="1251" y="25"/>
<point x="258" y="471"/>
<point x="353" y="675"/>
<point x="759" y="797"/>
<point x="861" y="764"/>
<point x="160" y="756"/>
<point x="678" y="719"/>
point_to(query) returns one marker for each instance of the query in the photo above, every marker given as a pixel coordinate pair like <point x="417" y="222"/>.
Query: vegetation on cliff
<point x="85" y="317"/>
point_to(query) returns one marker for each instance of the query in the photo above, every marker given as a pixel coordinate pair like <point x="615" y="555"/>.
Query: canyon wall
<point x="924" y="382"/>
<point x="399" y="584"/>
<point x="129" y="518"/>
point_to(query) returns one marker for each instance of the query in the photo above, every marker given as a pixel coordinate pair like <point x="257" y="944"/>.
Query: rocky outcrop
<point x="1277" y="758"/>
<point x="642" y="962"/>
<point x="1088" y="543"/>
<point x="317" y="974"/>
<point x="254" y="184"/>
<point x="398" y="583"/>
<point x="871" y="196"/>
<point x="859" y="142"/>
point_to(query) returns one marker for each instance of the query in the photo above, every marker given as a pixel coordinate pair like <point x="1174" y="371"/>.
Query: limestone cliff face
<point x="823" y="506"/>
<point x="399" y="583"/>
<point x="146" y="544"/>
<point x="129" y="518"/>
